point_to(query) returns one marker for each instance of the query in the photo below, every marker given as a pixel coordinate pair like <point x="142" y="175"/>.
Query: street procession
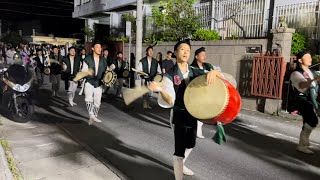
<point x="176" y="89"/>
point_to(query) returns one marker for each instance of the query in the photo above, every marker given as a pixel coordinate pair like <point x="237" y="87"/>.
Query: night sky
<point x="48" y="16"/>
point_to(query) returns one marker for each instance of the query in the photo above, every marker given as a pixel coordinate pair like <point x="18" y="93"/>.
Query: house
<point x="231" y="18"/>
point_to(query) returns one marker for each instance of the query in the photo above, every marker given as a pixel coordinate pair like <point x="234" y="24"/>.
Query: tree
<point x="13" y="38"/>
<point x="89" y="33"/>
<point x="129" y="17"/>
<point x="175" y="19"/>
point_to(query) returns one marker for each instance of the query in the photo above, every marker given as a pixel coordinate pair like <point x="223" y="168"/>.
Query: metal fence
<point x="205" y="11"/>
<point x="239" y="18"/>
<point x="231" y="18"/>
<point x="303" y="16"/>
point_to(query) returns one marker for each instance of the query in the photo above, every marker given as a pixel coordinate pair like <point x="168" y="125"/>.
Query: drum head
<point x="125" y="73"/>
<point x="158" y="78"/>
<point x="109" y="78"/>
<point x="203" y="101"/>
<point x="46" y="71"/>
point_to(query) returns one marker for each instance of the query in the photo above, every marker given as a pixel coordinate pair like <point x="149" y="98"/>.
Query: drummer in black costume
<point x="171" y="96"/>
<point x="119" y="66"/>
<point x="93" y="86"/>
<point x="150" y="66"/>
<point x="71" y="66"/>
<point x="306" y="88"/>
<point x="55" y="70"/>
<point x="203" y="67"/>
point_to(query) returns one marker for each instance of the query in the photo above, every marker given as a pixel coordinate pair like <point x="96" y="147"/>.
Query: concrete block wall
<point x="225" y="53"/>
<point x="228" y="54"/>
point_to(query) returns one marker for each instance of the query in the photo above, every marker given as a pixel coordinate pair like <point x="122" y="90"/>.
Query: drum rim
<point x="47" y="69"/>
<point x="112" y="80"/>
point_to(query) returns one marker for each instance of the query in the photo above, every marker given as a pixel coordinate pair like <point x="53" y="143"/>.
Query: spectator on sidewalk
<point x="9" y="54"/>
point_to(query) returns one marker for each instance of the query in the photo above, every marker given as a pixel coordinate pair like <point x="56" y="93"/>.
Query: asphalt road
<point x="139" y="143"/>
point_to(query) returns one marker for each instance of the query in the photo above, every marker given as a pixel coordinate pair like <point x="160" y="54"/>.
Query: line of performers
<point x="171" y="92"/>
<point x="185" y="126"/>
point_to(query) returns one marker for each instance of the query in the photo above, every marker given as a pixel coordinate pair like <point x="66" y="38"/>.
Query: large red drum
<point x="219" y="102"/>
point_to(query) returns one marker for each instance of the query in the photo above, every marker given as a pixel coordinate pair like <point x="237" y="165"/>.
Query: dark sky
<point x="54" y="16"/>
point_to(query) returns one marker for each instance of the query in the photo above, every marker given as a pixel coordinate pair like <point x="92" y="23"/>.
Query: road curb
<point x="5" y="172"/>
<point x="96" y="155"/>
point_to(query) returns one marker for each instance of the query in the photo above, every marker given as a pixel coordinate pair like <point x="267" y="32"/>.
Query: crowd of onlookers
<point x="27" y="52"/>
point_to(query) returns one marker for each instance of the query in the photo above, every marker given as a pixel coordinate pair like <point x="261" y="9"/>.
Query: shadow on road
<point x="275" y="151"/>
<point x="128" y="160"/>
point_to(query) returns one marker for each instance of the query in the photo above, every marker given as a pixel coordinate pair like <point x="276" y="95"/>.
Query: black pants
<point x="307" y="111"/>
<point x="184" y="138"/>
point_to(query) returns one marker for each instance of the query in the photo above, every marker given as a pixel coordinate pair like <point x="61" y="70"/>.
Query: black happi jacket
<point x="96" y="80"/>
<point x="181" y="117"/>
<point x="119" y="70"/>
<point x="76" y="67"/>
<point x="153" y="68"/>
<point x="55" y="68"/>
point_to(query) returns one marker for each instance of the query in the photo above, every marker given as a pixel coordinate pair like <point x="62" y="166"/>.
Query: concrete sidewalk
<point x="43" y="151"/>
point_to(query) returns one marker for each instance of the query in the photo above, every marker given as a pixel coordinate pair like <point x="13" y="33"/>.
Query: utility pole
<point x="139" y="33"/>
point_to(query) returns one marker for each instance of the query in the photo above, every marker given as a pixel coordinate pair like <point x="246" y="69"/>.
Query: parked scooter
<point x="15" y="83"/>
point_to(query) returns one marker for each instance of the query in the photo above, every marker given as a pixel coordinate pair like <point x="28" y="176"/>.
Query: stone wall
<point x="230" y="55"/>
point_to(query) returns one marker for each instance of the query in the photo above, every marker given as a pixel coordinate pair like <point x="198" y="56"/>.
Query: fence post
<point x="281" y="42"/>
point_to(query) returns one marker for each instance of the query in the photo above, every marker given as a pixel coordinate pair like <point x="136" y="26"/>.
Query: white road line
<point x="31" y="127"/>
<point x="294" y="138"/>
<point x="248" y="125"/>
<point x="47" y="144"/>
<point x="38" y="135"/>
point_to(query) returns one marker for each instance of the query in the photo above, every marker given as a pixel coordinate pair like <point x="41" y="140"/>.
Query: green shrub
<point x="110" y="38"/>
<point x="299" y="42"/>
<point x="205" y="35"/>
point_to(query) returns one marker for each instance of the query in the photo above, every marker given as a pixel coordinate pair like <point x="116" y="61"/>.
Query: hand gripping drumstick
<point x="140" y="72"/>
<point x="81" y="75"/>
<point x="130" y="95"/>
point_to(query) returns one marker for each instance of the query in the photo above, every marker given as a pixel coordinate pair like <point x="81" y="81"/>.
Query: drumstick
<point x="140" y="72"/>
<point x="81" y="75"/>
<point x="53" y="61"/>
<point x="130" y="95"/>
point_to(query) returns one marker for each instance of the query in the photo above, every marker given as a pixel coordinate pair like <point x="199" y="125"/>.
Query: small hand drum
<point x="109" y="78"/>
<point x="158" y="78"/>
<point x="46" y="71"/>
<point x="125" y="73"/>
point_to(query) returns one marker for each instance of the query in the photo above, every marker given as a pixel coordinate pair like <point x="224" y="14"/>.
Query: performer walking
<point x="305" y="86"/>
<point x="150" y="66"/>
<point x="93" y="86"/>
<point x="171" y="95"/>
<point x="200" y="64"/>
<point x="120" y="66"/>
<point x="71" y="66"/>
<point x="55" y="70"/>
<point x="40" y="62"/>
